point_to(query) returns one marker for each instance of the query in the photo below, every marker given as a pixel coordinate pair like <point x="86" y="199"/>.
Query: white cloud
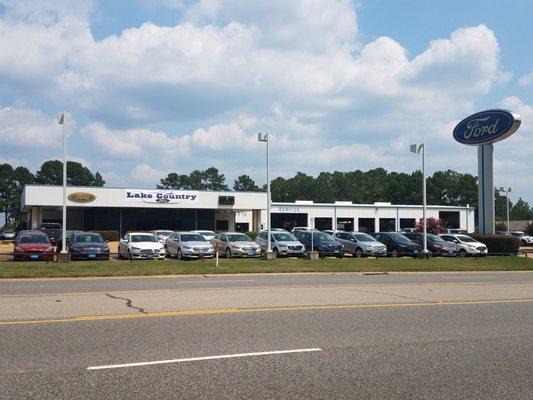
<point x="145" y="174"/>
<point x="27" y="128"/>
<point x="525" y="111"/>
<point x="526" y="80"/>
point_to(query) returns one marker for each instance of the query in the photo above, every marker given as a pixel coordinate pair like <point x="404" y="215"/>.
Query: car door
<point x="347" y="240"/>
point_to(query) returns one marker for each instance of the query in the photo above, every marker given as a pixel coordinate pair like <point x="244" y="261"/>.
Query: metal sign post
<point x="482" y="130"/>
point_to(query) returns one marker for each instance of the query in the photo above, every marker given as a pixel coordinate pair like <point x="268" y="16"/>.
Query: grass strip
<point x="9" y="269"/>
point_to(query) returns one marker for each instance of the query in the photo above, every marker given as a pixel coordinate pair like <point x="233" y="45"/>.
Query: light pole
<point x="264" y="137"/>
<point x="61" y="122"/>
<point x="417" y="149"/>
<point x="500" y="190"/>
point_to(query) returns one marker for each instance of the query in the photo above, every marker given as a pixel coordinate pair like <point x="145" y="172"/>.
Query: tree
<point x="12" y="183"/>
<point x="521" y="211"/>
<point x="433" y="225"/>
<point x="500" y="206"/>
<point x="210" y="179"/>
<point x="245" y="184"/>
<point x="51" y="173"/>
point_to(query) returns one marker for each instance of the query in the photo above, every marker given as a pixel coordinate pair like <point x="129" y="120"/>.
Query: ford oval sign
<point x="486" y="127"/>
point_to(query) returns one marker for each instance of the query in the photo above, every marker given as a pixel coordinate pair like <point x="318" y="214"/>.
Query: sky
<point x="159" y="86"/>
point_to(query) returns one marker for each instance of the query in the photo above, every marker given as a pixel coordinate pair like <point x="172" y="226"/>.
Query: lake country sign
<point x="160" y="196"/>
<point x="483" y="129"/>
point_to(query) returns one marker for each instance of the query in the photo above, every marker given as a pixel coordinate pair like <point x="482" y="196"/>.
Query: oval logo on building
<point x="486" y="127"/>
<point x="81" y="197"/>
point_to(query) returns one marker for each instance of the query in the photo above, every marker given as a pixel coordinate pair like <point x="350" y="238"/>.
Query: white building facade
<point x="122" y="210"/>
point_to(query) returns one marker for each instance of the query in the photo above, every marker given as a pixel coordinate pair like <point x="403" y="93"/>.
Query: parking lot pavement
<point x="462" y="351"/>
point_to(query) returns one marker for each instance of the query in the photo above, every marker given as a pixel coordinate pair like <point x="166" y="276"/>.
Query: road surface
<point x="321" y="336"/>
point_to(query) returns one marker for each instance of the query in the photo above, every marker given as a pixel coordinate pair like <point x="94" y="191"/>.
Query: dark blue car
<point x="320" y="242"/>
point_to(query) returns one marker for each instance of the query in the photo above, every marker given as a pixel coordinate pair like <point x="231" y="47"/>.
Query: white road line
<point x="472" y="277"/>
<point x="181" y="360"/>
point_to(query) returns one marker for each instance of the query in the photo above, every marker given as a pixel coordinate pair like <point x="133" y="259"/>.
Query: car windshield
<point x="322" y="237"/>
<point x="466" y="239"/>
<point x="51" y="226"/>
<point x="88" y="238"/>
<point x="435" y="239"/>
<point x="164" y="233"/>
<point x="517" y="233"/>
<point x="143" y="238"/>
<point x="238" y="238"/>
<point x="33" y="239"/>
<point x="284" y="237"/>
<point x="400" y="239"/>
<point x="207" y="233"/>
<point x="192" y="237"/>
<point x="363" y="237"/>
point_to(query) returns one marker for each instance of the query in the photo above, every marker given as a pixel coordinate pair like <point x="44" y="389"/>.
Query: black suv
<point x="323" y="243"/>
<point x="397" y="244"/>
<point x="436" y="244"/>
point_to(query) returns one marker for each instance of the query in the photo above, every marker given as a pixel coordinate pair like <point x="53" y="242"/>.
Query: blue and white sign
<point x="160" y="196"/>
<point x="486" y="127"/>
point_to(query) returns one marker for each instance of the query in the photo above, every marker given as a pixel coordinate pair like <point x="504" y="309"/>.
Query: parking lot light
<point x="264" y="137"/>
<point x="421" y="149"/>
<point x="502" y="190"/>
<point x="61" y="121"/>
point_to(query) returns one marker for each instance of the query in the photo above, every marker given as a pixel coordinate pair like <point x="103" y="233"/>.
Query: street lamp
<point x="421" y="149"/>
<point x="263" y="137"/>
<point x="61" y="121"/>
<point x="500" y="190"/>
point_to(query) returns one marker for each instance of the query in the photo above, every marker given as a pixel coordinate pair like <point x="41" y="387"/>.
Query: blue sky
<point x="174" y="85"/>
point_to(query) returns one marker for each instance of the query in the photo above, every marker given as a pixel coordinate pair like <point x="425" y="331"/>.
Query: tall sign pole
<point x="62" y="121"/>
<point x="422" y="149"/>
<point x="482" y="130"/>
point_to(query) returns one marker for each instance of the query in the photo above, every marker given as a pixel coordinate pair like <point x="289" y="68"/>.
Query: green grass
<point x="9" y="269"/>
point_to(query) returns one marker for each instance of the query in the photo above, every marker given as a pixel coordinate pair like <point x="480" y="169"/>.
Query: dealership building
<point x="123" y="210"/>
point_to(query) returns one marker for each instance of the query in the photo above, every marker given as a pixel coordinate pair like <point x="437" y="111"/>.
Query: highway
<point x="282" y="336"/>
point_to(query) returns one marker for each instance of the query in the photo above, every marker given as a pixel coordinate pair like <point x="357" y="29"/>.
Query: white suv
<point x="465" y="245"/>
<point x="525" y="240"/>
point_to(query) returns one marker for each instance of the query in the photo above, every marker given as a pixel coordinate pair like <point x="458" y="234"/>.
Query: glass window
<point x="466" y="239"/>
<point x="400" y="239"/>
<point x="284" y="237"/>
<point x="435" y="239"/>
<point x="33" y="239"/>
<point x="323" y="237"/>
<point x="143" y="238"/>
<point x="363" y="237"/>
<point x="192" y="237"/>
<point x="88" y="238"/>
<point x="239" y="238"/>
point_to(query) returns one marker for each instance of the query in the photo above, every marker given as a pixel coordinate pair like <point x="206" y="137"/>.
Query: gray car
<point x="360" y="244"/>
<point x="283" y="243"/>
<point x="235" y="244"/>
<point x="188" y="245"/>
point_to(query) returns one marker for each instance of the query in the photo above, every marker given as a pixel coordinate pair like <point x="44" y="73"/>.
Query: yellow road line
<point x="177" y="289"/>
<point x="180" y="313"/>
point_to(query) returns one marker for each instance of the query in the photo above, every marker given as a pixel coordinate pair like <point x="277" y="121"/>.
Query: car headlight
<point x="136" y="248"/>
<point x="19" y="250"/>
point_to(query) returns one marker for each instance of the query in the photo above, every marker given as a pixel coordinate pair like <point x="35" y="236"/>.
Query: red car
<point x="32" y="245"/>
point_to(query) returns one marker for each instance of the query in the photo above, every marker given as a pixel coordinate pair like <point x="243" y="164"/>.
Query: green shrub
<point x="111" y="236"/>
<point x="252" y="235"/>
<point x="499" y="244"/>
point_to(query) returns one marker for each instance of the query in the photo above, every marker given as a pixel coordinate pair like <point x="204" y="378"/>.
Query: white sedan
<point x="140" y="245"/>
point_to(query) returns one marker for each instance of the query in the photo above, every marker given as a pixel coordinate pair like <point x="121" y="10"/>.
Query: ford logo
<point x="486" y="127"/>
<point x="81" y="197"/>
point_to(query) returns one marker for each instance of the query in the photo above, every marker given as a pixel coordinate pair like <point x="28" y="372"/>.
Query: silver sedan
<point x="188" y="245"/>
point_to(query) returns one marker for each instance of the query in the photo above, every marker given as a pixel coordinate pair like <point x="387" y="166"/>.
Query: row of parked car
<point x="158" y="244"/>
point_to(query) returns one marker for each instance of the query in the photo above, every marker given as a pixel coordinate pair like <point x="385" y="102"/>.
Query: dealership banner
<point x="160" y="196"/>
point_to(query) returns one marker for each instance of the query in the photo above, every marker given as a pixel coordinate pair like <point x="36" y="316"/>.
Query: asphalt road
<point x="377" y="342"/>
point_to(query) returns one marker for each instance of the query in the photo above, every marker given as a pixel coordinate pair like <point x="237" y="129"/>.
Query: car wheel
<point x="394" y="253"/>
<point x="358" y="252"/>
<point x="167" y="253"/>
<point x="179" y="255"/>
<point x="276" y="251"/>
<point x="129" y="255"/>
<point x="228" y="253"/>
<point x="523" y="243"/>
<point x="462" y="253"/>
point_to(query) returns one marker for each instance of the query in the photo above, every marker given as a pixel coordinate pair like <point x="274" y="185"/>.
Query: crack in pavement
<point x="128" y="303"/>
<point x="389" y="294"/>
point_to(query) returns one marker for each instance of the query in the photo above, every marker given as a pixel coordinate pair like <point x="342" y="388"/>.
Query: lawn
<point x="10" y="269"/>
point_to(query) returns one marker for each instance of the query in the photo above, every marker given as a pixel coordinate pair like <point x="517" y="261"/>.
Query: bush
<point x="252" y="235"/>
<point x="112" y="236"/>
<point x="434" y="226"/>
<point x="501" y="244"/>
